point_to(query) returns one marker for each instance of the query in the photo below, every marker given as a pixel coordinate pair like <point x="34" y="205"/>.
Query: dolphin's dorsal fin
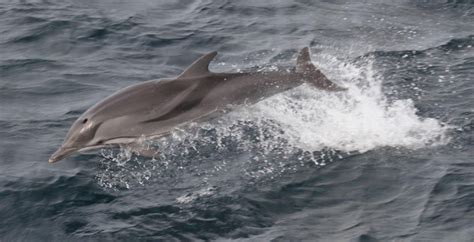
<point x="199" y="67"/>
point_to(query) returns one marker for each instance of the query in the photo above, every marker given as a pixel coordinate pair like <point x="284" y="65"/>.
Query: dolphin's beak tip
<point x="53" y="159"/>
<point x="60" y="154"/>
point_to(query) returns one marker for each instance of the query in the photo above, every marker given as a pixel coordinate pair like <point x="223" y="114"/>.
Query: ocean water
<point x="391" y="159"/>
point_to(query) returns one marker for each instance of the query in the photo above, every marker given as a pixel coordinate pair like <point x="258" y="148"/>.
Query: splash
<point x="360" y="119"/>
<point x="279" y="135"/>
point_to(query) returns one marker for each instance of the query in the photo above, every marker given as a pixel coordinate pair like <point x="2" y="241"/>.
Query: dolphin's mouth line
<point x="64" y="152"/>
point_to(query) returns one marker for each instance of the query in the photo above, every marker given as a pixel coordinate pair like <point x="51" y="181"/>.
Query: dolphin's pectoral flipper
<point x="200" y="67"/>
<point x="312" y="74"/>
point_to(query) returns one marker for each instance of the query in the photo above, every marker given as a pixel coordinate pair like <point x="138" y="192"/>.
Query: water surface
<point x="389" y="160"/>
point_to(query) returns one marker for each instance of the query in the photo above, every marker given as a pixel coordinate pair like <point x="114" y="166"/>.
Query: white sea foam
<point x="360" y="119"/>
<point x="190" y="197"/>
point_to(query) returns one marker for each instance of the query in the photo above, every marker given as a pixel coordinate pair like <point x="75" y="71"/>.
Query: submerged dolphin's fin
<point x="199" y="67"/>
<point x="312" y="75"/>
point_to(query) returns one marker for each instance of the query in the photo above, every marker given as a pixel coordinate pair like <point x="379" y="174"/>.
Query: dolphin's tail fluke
<point x="312" y="74"/>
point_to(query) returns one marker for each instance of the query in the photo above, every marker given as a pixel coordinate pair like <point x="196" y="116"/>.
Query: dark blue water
<point x="390" y="160"/>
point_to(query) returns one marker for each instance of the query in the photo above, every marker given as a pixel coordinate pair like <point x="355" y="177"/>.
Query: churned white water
<point x="359" y="119"/>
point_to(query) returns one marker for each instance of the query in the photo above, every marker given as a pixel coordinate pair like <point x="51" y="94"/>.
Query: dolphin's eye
<point x="84" y="121"/>
<point x="100" y="142"/>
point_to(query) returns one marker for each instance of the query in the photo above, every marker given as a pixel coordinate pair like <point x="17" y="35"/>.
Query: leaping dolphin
<point x="154" y="108"/>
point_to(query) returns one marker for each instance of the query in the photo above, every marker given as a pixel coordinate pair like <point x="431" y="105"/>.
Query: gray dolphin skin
<point x="154" y="108"/>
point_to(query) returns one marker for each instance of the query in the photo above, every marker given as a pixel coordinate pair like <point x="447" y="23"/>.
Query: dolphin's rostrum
<point x="156" y="107"/>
